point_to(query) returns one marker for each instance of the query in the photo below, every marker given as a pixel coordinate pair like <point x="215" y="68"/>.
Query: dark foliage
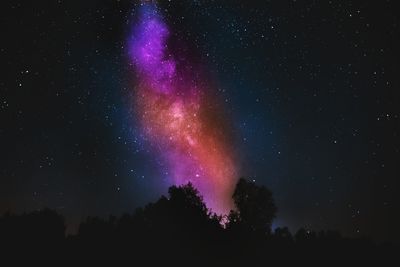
<point x="180" y="230"/>
<point x="255" y="208"/>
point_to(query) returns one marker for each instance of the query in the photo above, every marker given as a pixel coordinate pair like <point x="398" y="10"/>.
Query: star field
<point x="311" y="89"/>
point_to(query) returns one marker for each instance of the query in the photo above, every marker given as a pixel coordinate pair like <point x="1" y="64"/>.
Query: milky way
<point x="181" y="120"/>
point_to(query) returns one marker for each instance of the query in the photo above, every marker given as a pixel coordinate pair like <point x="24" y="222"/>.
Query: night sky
<point x="304" y="98"/>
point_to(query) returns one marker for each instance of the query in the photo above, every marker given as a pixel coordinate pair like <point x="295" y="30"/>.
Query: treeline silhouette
<point x="179" y="230"/>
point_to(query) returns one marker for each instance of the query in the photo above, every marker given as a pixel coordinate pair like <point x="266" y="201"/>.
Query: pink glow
<point x="176" y="117"/>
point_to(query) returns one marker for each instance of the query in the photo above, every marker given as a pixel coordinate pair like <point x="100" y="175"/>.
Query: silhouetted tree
<point x="283" y="235"/>
<point x="255" y="207"/>
<point x="305" y="235"/>
<point x="96" y="229"/>
<point x="46" y="226"/>
<point x="181" y="229"/>
<point x="184" y="210"/>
